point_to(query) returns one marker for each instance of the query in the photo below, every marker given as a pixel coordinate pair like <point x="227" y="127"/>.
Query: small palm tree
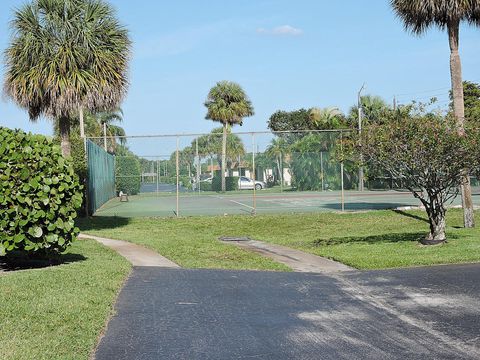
<point x="66" y="55"/>
<point x="111" y="131"/>
<point x="228" y="104"/>
<point x="326" y="118"/>
<point x="276" y="150"/>
<point x="418" y="16"/>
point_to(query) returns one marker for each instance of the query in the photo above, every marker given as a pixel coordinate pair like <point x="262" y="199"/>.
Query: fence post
<point x="178" y="178"/>
<point x="341" y="172"/>
<point x="254" y="211"/>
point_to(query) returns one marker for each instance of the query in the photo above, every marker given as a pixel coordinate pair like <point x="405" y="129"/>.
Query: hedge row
<point x="39" y="194"/>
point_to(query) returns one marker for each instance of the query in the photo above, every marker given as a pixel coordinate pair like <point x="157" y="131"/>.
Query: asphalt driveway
<point x="419" y="313"/>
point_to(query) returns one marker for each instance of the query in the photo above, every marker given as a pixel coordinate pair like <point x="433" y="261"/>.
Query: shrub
<point x="231" y="183"/>
<point x="205" y="186"/>
<point x="127" y="175"/>
<point x="39" y="195"/>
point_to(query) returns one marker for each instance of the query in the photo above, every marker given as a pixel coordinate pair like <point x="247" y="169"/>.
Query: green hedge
<point x="127" y="175"/>
<point x="231" y="183"/>
<point x="39" y="195"/>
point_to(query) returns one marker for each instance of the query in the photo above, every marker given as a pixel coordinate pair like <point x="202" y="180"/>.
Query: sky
<point x="285" y="54"/>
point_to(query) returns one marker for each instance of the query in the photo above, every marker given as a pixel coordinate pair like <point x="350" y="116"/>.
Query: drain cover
<point x="234" y="238"/>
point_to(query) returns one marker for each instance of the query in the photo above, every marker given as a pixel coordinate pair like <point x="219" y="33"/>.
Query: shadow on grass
<point x="359" y="206"/>
<point x="416" y="217"/>
<point x="375" y="239"/>
<point x="22" y="261"/>
<point x="101" y="222"/>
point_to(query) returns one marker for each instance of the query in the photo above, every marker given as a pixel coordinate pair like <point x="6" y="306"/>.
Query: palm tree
<point x="276" y="149"/>
<point x="374" y="110"/>
<point x="66" y="56"/>
<point x="109" y="130"/>
<point x="326" y="118"/>
<point x="418" y="16"/>
<point x="227" y="103"/>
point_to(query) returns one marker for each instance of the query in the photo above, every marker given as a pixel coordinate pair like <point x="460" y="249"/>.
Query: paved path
<point x="295" y="259"/>
<point x="420" y="313"/>
<point x="137" y="255"/>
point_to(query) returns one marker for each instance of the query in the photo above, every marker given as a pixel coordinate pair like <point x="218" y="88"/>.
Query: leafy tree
<point x="227" y="103"/>
<point x="418" y="16"/>
<point x="290" y="120"/>
<point x="426" y="155"/>
<point x="471" y="92"/>
<point x="65" y="55"/>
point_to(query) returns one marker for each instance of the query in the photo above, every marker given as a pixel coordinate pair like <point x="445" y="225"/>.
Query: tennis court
<point x="208" y="204"/>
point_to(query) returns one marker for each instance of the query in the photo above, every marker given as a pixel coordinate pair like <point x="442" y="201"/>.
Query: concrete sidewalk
<point x="137" y="255"/>
<point x="295" y="259"/>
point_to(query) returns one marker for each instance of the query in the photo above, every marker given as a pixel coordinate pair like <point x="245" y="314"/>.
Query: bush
<point x="127" y="175"/>
<point x="39" y="195"/>
<point x="205" y="186"/>
<point x="231" y="183"/>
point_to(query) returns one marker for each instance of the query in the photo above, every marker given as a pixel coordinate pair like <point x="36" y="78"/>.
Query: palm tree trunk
<point x="459" y="110"/>
<point x="64" y="128"/>
<point x="224" y="155"/>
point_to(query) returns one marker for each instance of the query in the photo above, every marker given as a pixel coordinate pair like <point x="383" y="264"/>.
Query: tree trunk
<point x="64" y="128"/>
<point x="436" y="219"/>
<point x="459" y="110"/>
<point x="224" y="155"/>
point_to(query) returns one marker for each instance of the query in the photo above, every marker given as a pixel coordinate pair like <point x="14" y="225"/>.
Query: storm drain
<point x="234" y="238"/>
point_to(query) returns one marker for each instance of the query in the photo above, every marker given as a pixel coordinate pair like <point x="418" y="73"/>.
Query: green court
<point x="265" y="202"/>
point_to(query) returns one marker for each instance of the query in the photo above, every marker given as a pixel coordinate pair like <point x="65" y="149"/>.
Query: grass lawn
<point x="59" y="312"/>
<point x="369" y="240"/>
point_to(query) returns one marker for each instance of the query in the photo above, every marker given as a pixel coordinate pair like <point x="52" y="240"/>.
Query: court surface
<point x="242" y="202"/>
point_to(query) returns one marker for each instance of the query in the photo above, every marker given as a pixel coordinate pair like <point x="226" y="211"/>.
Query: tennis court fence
<point x="265" y="172"/>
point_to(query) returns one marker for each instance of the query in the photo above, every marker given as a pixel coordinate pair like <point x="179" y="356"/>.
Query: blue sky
<point x="285" y="54"/>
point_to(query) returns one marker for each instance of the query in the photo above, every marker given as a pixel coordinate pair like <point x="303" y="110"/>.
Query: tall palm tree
<point x="418" y="16"/>
<point x="227" y="103"/>
<point x="66" y="55"/>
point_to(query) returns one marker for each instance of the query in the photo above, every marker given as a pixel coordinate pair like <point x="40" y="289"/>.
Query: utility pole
<point x="360" y="115"/>
<point x="394" y="103"/>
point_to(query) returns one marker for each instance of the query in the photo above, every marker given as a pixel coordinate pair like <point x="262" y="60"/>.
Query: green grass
<point x="59" y="312"/>
<point x="368" y="240"/>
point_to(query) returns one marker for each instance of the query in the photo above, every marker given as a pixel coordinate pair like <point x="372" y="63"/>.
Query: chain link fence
<point x="265" y="172"/>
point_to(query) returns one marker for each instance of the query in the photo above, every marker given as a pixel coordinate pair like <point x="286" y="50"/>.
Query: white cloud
<point x="284" y="30"/>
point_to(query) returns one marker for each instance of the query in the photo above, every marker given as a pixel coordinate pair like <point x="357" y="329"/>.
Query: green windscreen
<point x="101" y="176"/>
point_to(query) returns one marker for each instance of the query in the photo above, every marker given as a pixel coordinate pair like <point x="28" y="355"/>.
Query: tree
<point x="290" y="120"/>
<point x="212" y="144"/>
<point x="418" y="16"/>
<point x="327" y="118"/>
<point x="277" y="148"/>
<point x="227" y="103"/>
<point x="471" y="92"/>
<point x="425" y="154"/>
<point x="66" y="55"/>
<point x="374" y="110"/>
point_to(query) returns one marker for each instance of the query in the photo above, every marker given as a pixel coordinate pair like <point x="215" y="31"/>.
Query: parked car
<point x="245" y="183"/>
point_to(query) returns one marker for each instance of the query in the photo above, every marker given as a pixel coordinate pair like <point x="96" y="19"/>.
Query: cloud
<point x="284" y="30"/>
